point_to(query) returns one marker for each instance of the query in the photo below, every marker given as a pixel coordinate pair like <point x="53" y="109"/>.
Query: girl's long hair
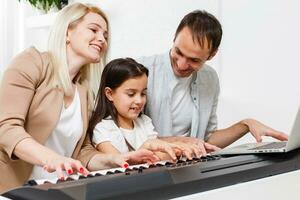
<point x="114" y="74"/>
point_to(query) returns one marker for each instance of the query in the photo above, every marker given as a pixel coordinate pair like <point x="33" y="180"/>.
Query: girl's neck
<point x="125" y="123"/>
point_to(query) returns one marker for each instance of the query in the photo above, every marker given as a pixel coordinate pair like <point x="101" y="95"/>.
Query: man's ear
<point x="212" y="54"/>
<point x="108" y="93"/>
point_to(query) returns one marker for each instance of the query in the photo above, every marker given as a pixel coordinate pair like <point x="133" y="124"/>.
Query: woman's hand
<point x="258" y="130"/>
<point x="59" y="164"/>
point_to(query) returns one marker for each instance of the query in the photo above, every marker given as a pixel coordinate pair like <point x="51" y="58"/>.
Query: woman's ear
<point x="108" y="93"/>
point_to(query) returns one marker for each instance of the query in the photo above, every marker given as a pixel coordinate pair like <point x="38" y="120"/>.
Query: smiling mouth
<point x="97" y="47"/>
<point x="135" y="109"/>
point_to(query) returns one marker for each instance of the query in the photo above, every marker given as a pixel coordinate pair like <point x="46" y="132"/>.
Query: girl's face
<point x="87" y="40"/>
<point x="129" y="99"/>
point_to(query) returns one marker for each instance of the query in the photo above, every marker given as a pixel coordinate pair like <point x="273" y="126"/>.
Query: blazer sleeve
<point x="17" y="90"/>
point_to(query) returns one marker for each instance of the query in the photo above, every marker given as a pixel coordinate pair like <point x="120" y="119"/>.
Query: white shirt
<point x="108" y="131"/>
<point x="181" y="105"/>
<point x="64" y="137"/>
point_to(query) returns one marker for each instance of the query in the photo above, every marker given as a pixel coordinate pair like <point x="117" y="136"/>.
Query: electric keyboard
<point x="161" y="180"/>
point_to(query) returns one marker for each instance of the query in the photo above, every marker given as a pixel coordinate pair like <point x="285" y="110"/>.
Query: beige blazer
<point x="31" y="107"/>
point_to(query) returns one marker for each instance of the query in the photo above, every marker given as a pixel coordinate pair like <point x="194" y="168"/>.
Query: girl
<point x="117" y="124"/>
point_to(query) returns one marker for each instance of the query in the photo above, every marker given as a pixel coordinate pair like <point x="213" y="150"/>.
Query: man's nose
<point x="182" y="63"/>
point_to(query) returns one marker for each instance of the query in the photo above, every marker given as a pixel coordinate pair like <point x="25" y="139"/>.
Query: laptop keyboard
<point x="273" y="145"/>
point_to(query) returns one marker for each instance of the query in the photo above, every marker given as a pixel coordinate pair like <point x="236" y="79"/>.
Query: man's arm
<point x="225" y="137"/>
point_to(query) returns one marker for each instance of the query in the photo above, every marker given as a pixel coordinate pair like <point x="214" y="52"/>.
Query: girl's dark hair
<point x="114" y="74"/>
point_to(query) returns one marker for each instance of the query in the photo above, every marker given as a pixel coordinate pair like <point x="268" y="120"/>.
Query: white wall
<point x="260" y="65"/>
<point x="258" y="60"/>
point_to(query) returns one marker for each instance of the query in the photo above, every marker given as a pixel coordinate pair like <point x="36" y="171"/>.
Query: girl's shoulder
<point x="107" y="125"/>
<point x="144" y="120"/>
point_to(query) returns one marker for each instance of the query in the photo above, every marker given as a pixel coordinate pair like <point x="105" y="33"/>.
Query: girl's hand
<point x="60" y="163"/>
<point x="156" y="145"/>
<point x="140" y="156"/>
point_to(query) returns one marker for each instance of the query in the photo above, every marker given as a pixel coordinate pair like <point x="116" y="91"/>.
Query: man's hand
<point x="194" y="146"/>
<point x="258" y="130"/>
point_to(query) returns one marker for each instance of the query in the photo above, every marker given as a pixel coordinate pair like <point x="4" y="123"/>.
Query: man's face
<point x="187" y="56"/>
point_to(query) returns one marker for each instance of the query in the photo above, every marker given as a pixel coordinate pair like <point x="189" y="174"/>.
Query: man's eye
<point x="178" y="52"/>
<point x="195" y="60"/>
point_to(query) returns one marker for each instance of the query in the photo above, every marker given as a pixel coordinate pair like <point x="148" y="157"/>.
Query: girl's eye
<point x="130" y="94"/>
<point x="144" y="94"/>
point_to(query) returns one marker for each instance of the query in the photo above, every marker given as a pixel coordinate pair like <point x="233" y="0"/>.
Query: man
<point x="183" y="91"/>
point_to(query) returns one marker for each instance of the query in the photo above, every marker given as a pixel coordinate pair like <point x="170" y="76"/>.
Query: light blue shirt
<point x="204" y="92"/>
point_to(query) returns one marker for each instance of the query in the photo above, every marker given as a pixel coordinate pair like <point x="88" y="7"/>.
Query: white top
<point x="108" y="131"/>
<point x="181" y="105"/>
<point x="64" y="137"/>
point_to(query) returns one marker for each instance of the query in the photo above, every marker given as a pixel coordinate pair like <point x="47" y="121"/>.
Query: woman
<point x="45" y="100"/>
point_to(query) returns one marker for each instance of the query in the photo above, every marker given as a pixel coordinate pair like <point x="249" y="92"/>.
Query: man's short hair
<point x="202" y="25"/>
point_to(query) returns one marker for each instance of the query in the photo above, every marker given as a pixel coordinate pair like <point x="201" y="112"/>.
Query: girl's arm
<point x="107" y="147"/>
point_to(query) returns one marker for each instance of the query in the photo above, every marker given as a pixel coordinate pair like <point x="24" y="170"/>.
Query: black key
<point x="152" y="166"/>
<point x="60" y="180"/>
<point x="69" y="179"/>
<point x="98" y="174"/>
<point x="117" y="171"/>
<point x="82" y="177"/>
<point x="90" y="175"/>
<point x="47" y="182"/>
<point x="169" y="163"/>
<point x="31" y="183"/>
<point x="128" y="170"/>
<point x="109" y="173"/>
<point x="159" y="165"/>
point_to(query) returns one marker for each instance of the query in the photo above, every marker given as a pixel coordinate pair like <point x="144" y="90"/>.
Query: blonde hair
<point x="90" y="74"/>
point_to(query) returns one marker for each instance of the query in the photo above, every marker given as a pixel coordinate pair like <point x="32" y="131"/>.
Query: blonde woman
<point x="45" y="98"/>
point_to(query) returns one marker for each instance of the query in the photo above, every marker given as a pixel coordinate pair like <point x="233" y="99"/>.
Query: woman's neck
<point x="75" y="63"/>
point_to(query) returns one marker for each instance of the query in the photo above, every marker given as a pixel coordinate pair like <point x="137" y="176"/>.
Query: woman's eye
<point x="94" y="30"/>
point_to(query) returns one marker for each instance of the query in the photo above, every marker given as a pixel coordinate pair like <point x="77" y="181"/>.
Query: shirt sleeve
<point x="150" y="130"/>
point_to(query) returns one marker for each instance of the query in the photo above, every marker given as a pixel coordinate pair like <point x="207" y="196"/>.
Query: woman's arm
<point x="31" y="151"/>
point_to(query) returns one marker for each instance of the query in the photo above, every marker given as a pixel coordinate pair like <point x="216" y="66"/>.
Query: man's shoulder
<point x="207" y="70"/>
<point x="154" y="60"/>
<point x="208" y="75"/>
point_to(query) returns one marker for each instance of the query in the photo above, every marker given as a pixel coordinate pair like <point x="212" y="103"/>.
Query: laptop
<point x="267" y="147"/>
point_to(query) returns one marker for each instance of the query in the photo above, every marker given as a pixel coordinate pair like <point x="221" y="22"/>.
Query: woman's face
<point x="87" y="40"/>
